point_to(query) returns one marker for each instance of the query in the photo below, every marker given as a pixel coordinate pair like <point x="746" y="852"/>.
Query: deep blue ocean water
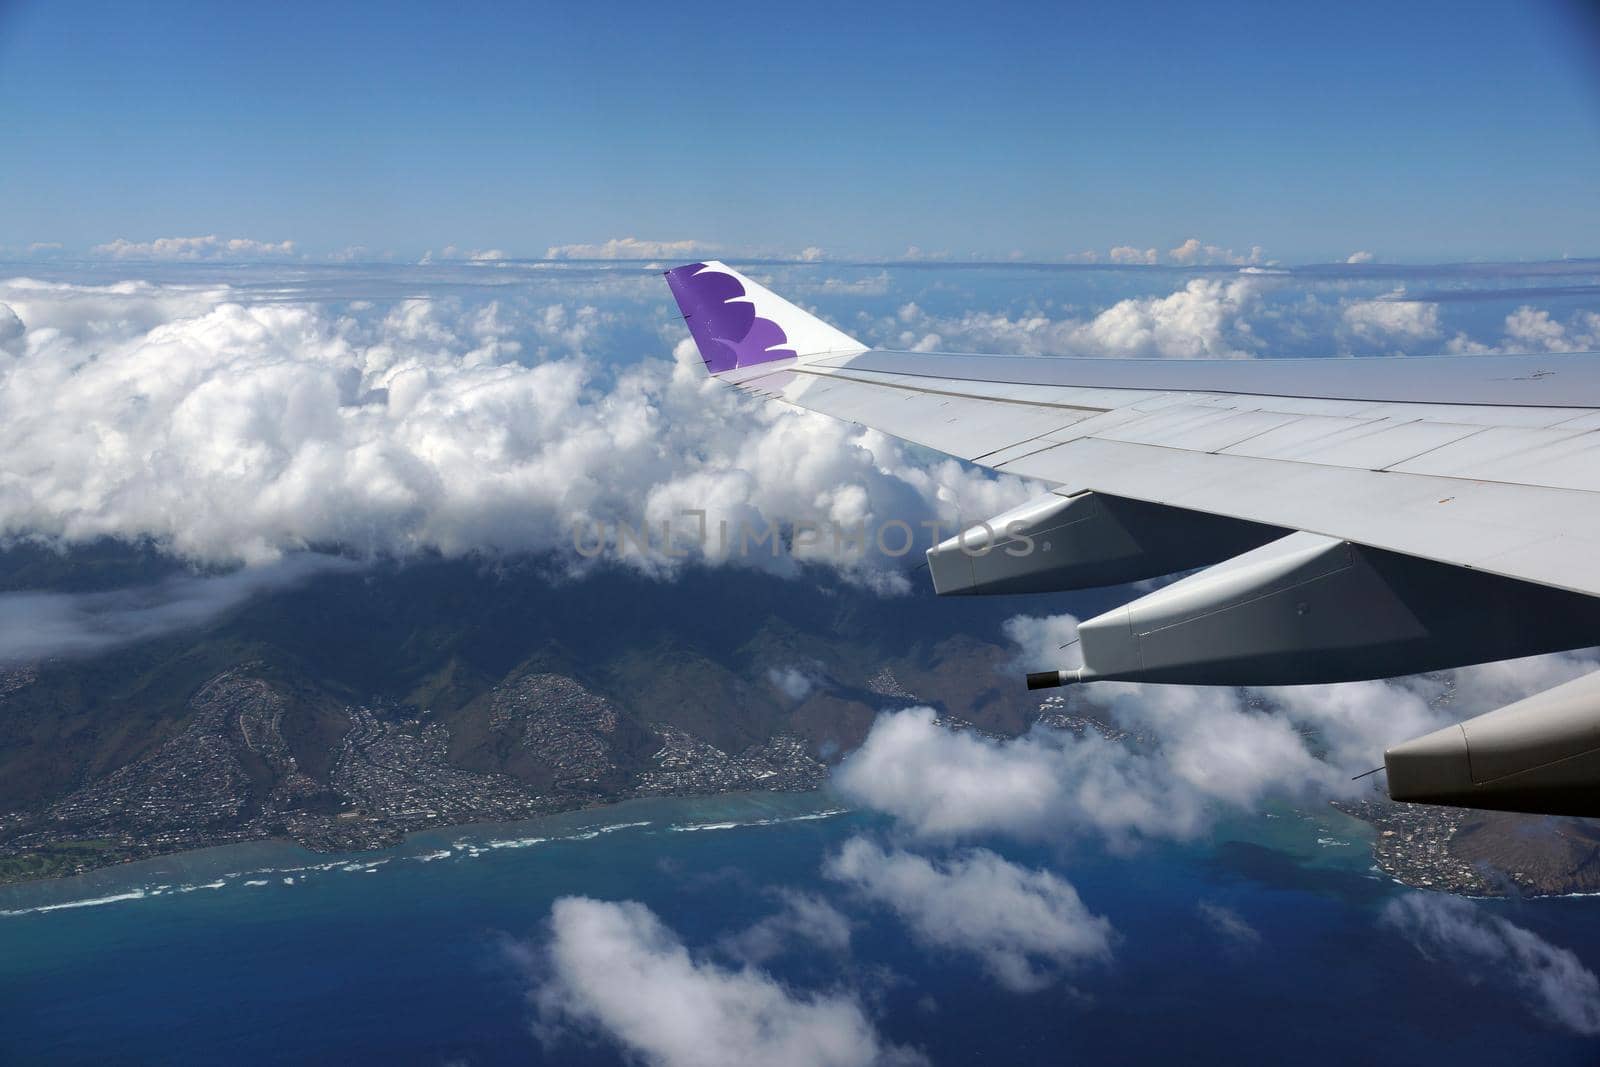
<point x="265" y="953"/>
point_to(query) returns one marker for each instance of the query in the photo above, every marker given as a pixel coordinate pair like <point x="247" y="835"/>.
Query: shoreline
<point x="210" y="867"/>
<point x="1418" y="859"/>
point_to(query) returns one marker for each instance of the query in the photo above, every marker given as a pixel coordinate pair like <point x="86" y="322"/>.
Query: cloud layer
<point x="632" y="248"/>
<point x="238" y="431"/>
<point x="236" y="422"/>
<point x="196" y="248"/>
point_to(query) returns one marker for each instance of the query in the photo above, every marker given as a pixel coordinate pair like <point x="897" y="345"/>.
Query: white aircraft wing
<point x="1356" y="518"/>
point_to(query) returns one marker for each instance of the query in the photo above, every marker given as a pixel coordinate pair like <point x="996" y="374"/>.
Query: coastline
<point x="1484" y="854"/>
<point x="1408" y="845"/>
<point x="264" y="859"/>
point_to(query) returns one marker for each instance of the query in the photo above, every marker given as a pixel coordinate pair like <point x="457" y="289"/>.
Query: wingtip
<point x="738" y="323"/>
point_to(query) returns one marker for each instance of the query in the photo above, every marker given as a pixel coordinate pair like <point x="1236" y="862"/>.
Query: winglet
<point x="737" y="323"/>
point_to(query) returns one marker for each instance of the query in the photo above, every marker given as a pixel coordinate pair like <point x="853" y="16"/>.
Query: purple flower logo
<point x="726" y="328"/>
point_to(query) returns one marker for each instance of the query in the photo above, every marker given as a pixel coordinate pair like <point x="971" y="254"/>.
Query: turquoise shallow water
<point x="266" y="953"/>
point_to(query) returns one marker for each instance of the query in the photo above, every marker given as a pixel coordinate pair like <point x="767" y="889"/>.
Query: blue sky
<point x="1418" y="132"/>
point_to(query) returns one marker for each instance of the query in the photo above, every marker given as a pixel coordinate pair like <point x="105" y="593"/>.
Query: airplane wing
<point x="1356" y="518"/>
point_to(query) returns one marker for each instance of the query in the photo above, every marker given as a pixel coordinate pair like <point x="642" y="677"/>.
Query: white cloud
<point x="1204" y="318"/>
<point x="940" y="784"/>
<point x="1042" y="640"/>
<point x="1204" y="750"/>
<point x="804" y="920"/>
<point x="1349" y="724"/>
<point x="471" y="255"/>
<point x="1050" y="784"/>
<point x="1215" y="751"/>
<point x="1207" y="317"/>
<point x="1228" y="925"/>
<point x="1026" y="926"/>
<point x="632" y="248"/>
<point x="237" y="432"/>
<point x="36" y="626"/>
<point x="1127" y="254"/>
<point x="353" y="254"/>
<point x="1392" y="320"/>
<point x="1192" y="253"/>
<point x="812" y="254"/>
<point x="233" y="431"/>
<point x="1359" y="257"/>
<point x="192" y="248"/>
<point x="1186" y="253"/>
<point x="1477" y="945"/>
<point x="1533" y="329"/>
<point x="616" y="970"/>
<point x="793" y="682"/>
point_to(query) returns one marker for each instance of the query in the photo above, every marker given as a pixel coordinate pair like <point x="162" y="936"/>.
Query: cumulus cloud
<point x="943" y="783"/>
<point x="1193" y="253"/>
<point x="615" y="970"/>
<point x="233" y="431"/>
<point x="35" y="626"/>
<point x="194" y="248"/>
<point x="1186" y="253"/>
<point x="1129" y="255"/>
<point x="1392" y="320"/>
<point x="1359" y="257"/>
<point x="633" y="248"/>
<point x="1213" y="755"/>
<point x="1208" y="317"/>
<point x="1204" y="318"/>
<point x="1026" y="926"/>
<point x="1200" y="751"/>
<point x="1533" y="329"/>
<point x="1475" y="944"/>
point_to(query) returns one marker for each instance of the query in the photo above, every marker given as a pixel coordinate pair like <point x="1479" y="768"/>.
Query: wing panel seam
<point x="961" y="396"/>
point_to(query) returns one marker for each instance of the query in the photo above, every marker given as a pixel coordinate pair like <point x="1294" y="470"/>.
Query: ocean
<point x="267" y="953"/>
